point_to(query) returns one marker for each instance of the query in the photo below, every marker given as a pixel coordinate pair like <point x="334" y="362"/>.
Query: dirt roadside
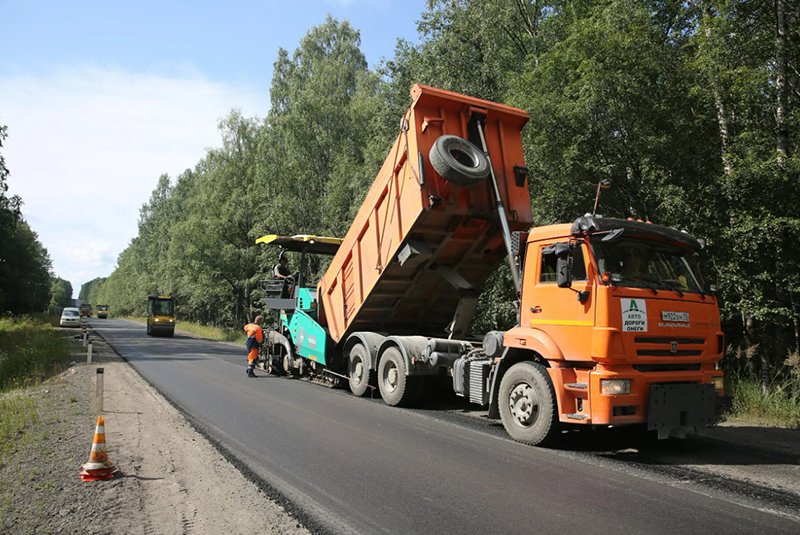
<point x="171" y="480"/>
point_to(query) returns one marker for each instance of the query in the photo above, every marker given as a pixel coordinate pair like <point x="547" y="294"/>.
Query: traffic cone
<point x="98" y="467"/>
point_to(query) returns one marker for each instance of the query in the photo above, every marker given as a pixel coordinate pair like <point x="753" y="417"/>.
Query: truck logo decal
<point x="673" y="348"/>
<point x="634" y="315"/>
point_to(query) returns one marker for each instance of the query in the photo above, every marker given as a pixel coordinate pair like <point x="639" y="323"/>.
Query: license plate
<point x="674" y="316"/>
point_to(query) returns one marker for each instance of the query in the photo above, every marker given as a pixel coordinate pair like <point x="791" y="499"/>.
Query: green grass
<point x="776" y="407"/>
<point x="16" y="412"/>
<point x="30" y="351"/>
<point x="204" y="331"/>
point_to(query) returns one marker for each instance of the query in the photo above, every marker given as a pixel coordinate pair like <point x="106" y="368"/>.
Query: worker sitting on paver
<point x="255" y="337"/>
<point x="281" y="272"/>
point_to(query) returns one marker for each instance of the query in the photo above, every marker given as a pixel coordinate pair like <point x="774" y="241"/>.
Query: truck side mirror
<point x="563" y="262"/>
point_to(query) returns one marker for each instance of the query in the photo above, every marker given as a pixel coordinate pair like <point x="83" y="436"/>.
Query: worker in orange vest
<point x="255" y="337"/>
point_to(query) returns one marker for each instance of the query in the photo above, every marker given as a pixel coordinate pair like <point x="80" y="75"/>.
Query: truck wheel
<point x="361" y="377"/>
<point x="528" y="406"/>
<point x="397" y="388"/>
<point x="459" y="161"/>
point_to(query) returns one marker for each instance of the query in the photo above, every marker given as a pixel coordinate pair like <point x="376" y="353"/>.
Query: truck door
<point x="565" y="314"/>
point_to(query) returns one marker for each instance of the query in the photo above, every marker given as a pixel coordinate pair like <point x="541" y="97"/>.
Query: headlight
<point x="718" y="382"/>
<point x="155" y="320"/>
<point x="614" y="387"/>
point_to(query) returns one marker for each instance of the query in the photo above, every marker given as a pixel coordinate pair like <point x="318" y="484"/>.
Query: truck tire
<point x="459" y="161"/>
<point x="528" y="406"/>
<point x="361" y="377"/>
<point x="397" y="388"/>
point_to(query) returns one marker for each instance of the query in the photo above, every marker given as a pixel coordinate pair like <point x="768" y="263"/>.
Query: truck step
<point x="577" y="416"/>
<point x="577" y="386"/>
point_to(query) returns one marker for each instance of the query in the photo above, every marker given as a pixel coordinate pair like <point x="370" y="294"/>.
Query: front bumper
<point x="666" y="401"/>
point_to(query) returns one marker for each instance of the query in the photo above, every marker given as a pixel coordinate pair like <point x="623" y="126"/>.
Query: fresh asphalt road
<point x="350" y="465"/>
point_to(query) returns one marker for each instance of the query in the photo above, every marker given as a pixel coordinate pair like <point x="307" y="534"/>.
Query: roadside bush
<point x="30" y="351"/>
<point x="774" y="405"/>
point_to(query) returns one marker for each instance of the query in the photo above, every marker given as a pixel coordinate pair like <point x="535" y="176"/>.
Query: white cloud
<point x="86" y="147"/>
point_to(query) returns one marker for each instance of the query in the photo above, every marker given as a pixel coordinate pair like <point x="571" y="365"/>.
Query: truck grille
<point x="669" y="347"/>
<point x="666" y="367"/>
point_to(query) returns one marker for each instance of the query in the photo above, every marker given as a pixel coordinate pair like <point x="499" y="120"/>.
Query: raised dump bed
<point x="421" y="244"/>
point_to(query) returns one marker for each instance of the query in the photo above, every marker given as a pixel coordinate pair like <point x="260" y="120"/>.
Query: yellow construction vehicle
<point x="160" y="315"/>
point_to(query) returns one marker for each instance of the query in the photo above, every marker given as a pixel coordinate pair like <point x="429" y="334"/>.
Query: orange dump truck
<point x="616" y="324"/>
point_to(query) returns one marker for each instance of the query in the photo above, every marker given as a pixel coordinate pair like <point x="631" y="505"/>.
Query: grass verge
<point x="17" y="412"/>
<point x="203" y="331"/>
<point x="775" y="407"/>
<point x="30" y="351"/>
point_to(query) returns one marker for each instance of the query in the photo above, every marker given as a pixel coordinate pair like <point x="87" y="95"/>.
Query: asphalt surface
<point x="347" y="465"/>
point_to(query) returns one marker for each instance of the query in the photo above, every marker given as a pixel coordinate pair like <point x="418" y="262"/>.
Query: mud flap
<point x="676" y="408"/>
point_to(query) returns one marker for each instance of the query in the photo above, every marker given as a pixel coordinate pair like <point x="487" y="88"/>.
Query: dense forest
<point x="688" y="108"/>
<point x="26" y="280"/>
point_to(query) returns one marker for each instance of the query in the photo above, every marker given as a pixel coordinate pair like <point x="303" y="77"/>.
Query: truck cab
<point x="626" y="326"/>
<point x="102" y="311"/>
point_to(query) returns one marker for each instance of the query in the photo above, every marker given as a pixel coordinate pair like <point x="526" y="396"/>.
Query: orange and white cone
<point x="98" y="467"/>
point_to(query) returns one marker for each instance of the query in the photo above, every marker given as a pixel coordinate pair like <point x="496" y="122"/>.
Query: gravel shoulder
<point x="171" y="480"/>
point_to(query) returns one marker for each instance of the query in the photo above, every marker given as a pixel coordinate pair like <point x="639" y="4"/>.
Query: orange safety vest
<point x="251" y="329"/>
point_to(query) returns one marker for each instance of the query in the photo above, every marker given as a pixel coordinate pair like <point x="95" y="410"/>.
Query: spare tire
<point x="459" y="161"/>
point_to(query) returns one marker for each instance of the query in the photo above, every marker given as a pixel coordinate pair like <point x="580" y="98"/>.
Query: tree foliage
<point x="24" y="262"/>
<point x="60" y="295"/>
<point x="688" y="108"/>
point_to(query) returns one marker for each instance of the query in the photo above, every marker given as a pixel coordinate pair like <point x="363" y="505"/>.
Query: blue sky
<point x="101" y="98"/>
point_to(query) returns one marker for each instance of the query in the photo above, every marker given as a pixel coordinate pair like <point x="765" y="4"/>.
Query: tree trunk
<point x="749" y="332"/>
<point x="781" y="87"/>
<point x="531" y="26"/>
<point x="795" y="322"/>
<point x="719" y="101"/>
<point x="248" y="306"/>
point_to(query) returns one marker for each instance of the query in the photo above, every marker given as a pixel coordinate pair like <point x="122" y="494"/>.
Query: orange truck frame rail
<point x="616" y="323"/>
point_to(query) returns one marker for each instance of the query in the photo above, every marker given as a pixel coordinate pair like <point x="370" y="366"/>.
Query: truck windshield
<point x="641" y="263"/>
<point x="162" y="307"/>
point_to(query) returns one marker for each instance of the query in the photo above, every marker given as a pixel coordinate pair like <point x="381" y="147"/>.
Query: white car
<point x="71" y="317"/>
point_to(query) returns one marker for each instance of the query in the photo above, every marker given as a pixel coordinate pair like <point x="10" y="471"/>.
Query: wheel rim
<point x="462" y="156"/>
<point x="523" y="404"/>
<point x="357" y="371"/>
<point x="390" y="376"/>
